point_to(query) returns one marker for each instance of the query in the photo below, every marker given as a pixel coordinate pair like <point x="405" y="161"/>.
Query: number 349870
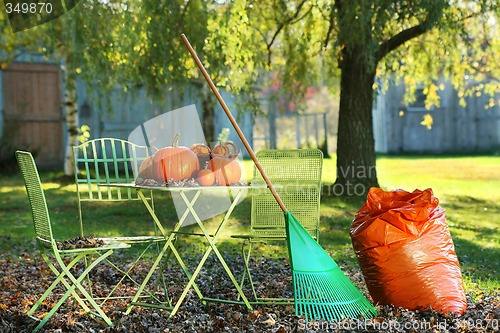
<point x="28" y="8"/>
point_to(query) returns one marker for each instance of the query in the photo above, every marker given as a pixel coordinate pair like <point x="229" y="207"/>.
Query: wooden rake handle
<point x="233" y="122"/>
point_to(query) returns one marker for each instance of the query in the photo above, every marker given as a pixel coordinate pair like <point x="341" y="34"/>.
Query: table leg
<point x="212" y="247"/>
<point x="168" y="244"/>
<point x="152" y="213"/>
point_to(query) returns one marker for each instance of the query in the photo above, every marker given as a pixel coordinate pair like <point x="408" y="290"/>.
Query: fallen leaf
<point x="253" y="315"/>
<point x="270" y="321"/>
<point x="281" y="329"/>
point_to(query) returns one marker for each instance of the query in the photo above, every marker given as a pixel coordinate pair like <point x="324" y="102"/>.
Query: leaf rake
<point x="321" y="290"/>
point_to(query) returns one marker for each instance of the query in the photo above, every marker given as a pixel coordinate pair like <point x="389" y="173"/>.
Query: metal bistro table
<point x="170" y="237"/>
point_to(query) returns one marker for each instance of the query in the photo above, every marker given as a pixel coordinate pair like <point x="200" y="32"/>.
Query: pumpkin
<point x="227" y="171"/>
<point x="226" y="149"/>
<point x="200" y="149"/>
<point x="203" y="152"/>
<point x="175" y="162"/>
<point x="205" y="177"/>
<point x="146" y="167"/>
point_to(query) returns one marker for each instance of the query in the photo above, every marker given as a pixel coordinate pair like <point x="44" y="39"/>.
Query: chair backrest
<point x="297" y="174"/>
<point x="36" y="197"/>
<point x="107" y="161"/>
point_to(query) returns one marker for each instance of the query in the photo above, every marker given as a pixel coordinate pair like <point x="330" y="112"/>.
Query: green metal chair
<point x="104" y="161"/>
<point x="49" y="247"/>
<point x="296" y="173"/>
<point x="109" y="161"/>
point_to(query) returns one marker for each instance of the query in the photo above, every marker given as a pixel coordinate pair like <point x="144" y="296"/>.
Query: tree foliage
<point x="367" y="44"/>
<point x="136" y="42"/>
<point x="413" y="40"/>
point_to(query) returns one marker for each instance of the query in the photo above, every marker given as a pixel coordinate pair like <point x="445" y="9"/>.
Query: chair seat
<point x="108" y="245"/>
<point x="135" y="239"/>
<point x="268" y="234"/>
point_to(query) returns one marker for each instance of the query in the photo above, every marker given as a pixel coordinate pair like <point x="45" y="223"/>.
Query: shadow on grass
<point x="473" y="223"/>
<point x="477" y="262"/>
<point x="337" y="214"/>
<point x="475" y="218"/>
<point x="474" y="226"/>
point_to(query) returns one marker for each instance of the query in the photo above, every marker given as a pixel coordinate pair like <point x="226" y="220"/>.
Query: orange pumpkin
<point x="175" y="162"/>
<point x="200" y="149"/>
<point x="226" y="149"/>
<point x="227" y="171"/>
<point x="203" y="152"/>
<point x="146" y="167"/>
<point x="205" y="177"/>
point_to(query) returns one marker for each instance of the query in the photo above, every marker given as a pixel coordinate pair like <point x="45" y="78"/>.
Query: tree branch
<point x="402" y="37"/>
<point x="331" y="24"/>
<point x="399" y="39"/>
<point x="280" y="27"/>
<point x="415" y="31"/>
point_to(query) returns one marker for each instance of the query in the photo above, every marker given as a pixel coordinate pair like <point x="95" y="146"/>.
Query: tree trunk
<point x="208" y="105"/>
<point x="70" y="102"/>
<point x="356" y="171"/>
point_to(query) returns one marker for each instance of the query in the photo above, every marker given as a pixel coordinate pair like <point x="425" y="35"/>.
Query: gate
<point x="33" y="117"/>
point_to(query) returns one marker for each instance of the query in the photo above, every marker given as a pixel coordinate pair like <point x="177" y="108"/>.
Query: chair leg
<point x="76" y="284"/>
<point x="59" y="279"/>
<point x="126" y="274"/>
<point x="247" y="266"/>
<point x="246" y="257"/>
<point x="70" y="291"/>
<point x="161" y="279"/>
<point x="245" y="262"/>
<point x="80" y="214"/>
<point x="246" y="272"/>
<point x="146" y="279"/>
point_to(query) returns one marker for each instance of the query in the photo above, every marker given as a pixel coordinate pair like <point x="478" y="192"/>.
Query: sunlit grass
<point x="468" y="189"/>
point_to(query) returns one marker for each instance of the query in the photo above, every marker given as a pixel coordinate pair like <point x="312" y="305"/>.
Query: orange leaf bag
<point x="406" y="253"/>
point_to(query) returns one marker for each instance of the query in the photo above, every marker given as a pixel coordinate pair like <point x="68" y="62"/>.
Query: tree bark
<point x="70" y="102"/>
<point x="208" y="105"/>
<point x="356" y="171"/>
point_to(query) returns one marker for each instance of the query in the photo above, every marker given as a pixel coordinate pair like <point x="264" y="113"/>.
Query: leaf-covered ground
<point x="23" y="280"/>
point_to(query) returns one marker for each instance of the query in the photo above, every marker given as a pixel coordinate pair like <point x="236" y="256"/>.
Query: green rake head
<point x="321" y="290"/>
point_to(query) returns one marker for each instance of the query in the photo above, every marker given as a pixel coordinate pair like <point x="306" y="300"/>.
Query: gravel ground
<point x="23" y="280"/>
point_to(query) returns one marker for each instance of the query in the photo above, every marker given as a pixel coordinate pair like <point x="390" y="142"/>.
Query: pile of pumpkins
<point x="217" y="166"/>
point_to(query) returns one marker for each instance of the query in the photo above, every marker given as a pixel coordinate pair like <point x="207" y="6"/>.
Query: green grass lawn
<point x="468" y="189"/>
